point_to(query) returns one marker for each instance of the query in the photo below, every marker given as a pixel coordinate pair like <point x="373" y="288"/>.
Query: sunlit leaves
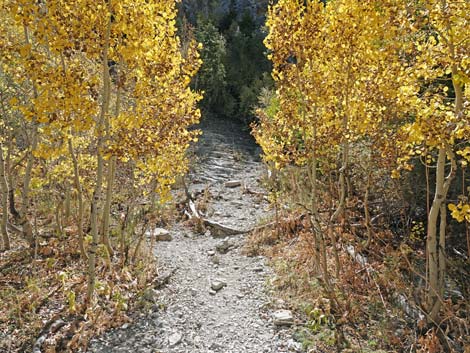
<point x="55" y="49"/>
<point x="394" y="73"/>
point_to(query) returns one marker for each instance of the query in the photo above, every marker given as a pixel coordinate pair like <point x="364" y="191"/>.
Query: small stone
<point x="215" y="260"/>
<point x="175" y="339"/>
<point x="233" y="183"/>
<point x="218" y="284"/>
<point x="211" y="253"/>
<point x="283" y="318"/>
<point x="240" y="295"/>
<point x="212" y="292"/>
<point x="162" y="234"/>
<point x="258" y="269"/>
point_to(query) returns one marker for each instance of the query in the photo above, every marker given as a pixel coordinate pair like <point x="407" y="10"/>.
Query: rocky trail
<point x="216" y="299"/>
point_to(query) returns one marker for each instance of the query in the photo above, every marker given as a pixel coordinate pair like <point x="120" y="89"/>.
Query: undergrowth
<point x="373" y="306"/>
<point x="43" y="290"/>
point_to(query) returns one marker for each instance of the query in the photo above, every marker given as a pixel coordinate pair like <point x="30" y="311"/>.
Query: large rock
<point x="283" y="318"/>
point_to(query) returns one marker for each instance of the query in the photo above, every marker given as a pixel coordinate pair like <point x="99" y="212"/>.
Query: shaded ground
<point x="189" y="316"/>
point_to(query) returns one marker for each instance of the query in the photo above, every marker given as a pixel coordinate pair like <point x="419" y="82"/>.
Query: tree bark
<point x="436" y="241"/>
<point x="111" y="175"/>
<point x="10" y="180"/>
<point x="78" y="187"/>
<point x="4" y="192"/>
<point x="107" y="205"/>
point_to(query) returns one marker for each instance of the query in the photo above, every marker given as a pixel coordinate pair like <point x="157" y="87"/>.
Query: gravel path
<point x="216" y="299"/>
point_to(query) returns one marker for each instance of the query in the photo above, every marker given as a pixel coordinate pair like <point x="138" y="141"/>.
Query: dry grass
<point x="363" y="304"/>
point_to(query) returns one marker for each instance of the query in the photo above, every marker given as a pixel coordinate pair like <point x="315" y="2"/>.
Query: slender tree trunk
<point x="78" y="187"/>
<point x="26" y="224"/>
<point x="366" y="204"/>
<point x="341" y="204"/>
<point x="9" y="173"/>
<point x="107" y="205"/>
<point x="342" y="171"/>
<point x="99" y="177"/>
<point x="433" y="261"/>
<point x="111" y="173"/>
<point x="442" y="248"/>
<point x="11" y="199"/>
<point x="4" y="192"/>
<point x="312" y="173"/>
<point x="436" y="254"/>
<point x="67" y="205"/>
<point x="435" y="245"/>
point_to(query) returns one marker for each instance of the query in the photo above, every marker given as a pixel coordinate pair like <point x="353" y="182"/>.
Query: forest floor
<point x="191" y="313"/>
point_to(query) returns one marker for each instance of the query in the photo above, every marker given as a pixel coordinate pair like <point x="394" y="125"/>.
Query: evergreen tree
<point x="211" y="76"/>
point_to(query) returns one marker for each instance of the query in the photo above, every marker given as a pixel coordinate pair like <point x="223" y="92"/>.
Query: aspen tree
<point x="442" y="45"/>
<point x="373" y="78"/>
<point x="4" y="200"/>
<point x="82" y="58"/>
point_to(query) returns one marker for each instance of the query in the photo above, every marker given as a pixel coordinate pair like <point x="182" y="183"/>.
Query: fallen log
<point x="216" y="228"/>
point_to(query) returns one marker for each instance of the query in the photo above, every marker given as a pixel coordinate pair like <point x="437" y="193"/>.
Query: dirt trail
<point x="189" y="315"/>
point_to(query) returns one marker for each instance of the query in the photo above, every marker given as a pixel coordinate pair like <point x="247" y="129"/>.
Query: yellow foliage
<point x="56" y="49"/>
<point x="382" y="72"/>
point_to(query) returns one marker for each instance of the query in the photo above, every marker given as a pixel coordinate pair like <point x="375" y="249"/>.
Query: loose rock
<point x="283" y="318"/>
<point x="175" y="339"/>
<point x="162" y="234"/>
<point x="218" y="284"/>
<point x="233" y="183"/>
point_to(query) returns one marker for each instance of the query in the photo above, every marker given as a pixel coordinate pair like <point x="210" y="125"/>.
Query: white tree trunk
<point x="4" y="200"/>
